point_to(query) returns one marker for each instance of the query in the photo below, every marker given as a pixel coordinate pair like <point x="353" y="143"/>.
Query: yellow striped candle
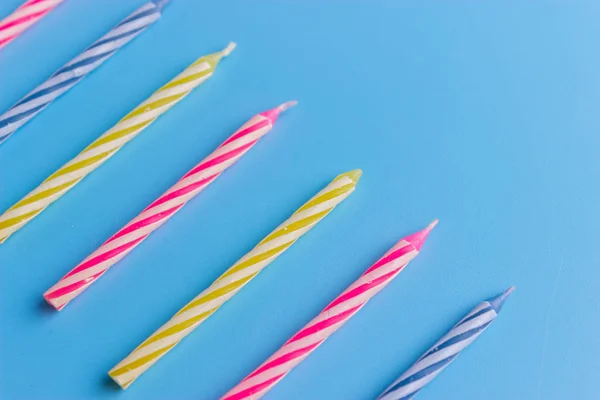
<point x="109" y="143"/>
<point x="228" y="284"/>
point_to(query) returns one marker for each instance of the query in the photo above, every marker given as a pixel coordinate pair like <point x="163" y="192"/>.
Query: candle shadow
<point x="110" y="386"/>
<point x="45" y="309"/>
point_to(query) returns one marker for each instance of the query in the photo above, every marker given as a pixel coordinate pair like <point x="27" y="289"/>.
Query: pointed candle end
<point x="418" y="238"/>
<point x="287" y="104"/>
<point x="353" y="175"/>
<point x="227" y="50"/>
<point x="432" y="225"/>
<point x="498" y="301"/>
<point x="161" y="4"/>
<point x="214" y="58"/>
<point x="273" y="113"/>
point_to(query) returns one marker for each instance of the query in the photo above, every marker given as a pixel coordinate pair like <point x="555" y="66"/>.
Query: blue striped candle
<point x="74" y="71"/>
<point x="445" y="350"/>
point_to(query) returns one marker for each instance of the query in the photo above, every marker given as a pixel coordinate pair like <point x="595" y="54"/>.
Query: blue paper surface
<point x="481" y="115"/>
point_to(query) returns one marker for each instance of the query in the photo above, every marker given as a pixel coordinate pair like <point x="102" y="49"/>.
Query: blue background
<point x="482" y="115"/>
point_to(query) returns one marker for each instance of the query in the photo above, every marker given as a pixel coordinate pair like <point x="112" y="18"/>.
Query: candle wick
<point x="227" y="50"/>
<point x="287" y="105"/>
<point x="432" y="224"/>
<point x="160" y="4"/>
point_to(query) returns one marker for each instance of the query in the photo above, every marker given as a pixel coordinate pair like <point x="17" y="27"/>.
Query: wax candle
<point x="340" y="310"/>
<point x="109" y="143"/>
<point x="163" y="208"/>
<point x="76" y="69"/>
<point x="236" y="277"/>
<point x="23" y="17"/>
<point x="445" y="350"/>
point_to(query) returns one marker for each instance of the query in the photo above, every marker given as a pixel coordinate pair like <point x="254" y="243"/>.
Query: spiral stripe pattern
<point x="108" y="144"/>
<point x="228" y="284"/>
<point x="23" y="17"/>
<point x="445" y="350"/>
<point x="163" y="208"/>
<point x="76" y="69"/>
<point x="305" y="341"/>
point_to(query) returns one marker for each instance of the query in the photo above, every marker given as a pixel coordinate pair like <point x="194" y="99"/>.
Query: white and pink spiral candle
<point x="340" y="310"/>
<point x="163" y="208"/>
<point x="23" y="17"/>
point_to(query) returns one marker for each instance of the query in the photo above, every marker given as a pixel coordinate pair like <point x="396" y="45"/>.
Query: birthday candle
<point x="163" y="208"/>
<point x="232" y="281"/>
<point x="109" y="143"/>
<point x="445" y="350"/>
<point x="76" y="69"/>
<point x="305" y="341"/>
<point x="23" y="17"/>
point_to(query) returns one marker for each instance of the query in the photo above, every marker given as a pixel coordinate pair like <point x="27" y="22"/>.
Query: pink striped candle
<point x="163" y="208"/>
<point x="259" y="382"/>
<point x="23" y="17"/>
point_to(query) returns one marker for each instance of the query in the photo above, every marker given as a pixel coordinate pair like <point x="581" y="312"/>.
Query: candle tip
<point x="160" y="4"/>
<point x="498" y="301"/>
<point x="355" y="175"/>
<point x="288" y="104"/>
<point x="214" y="58"/>
<point x="227" y="50"/>
<point x="273" y="113"/>
<point x="418" y="238"/>
<point x="432" y="224"/>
